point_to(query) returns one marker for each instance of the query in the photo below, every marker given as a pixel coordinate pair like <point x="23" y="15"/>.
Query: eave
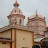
<point x="17" y="27"/>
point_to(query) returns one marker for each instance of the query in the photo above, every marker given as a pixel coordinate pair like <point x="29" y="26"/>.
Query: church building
<point x="38" y="23"/>
<point x="16" y="35"/>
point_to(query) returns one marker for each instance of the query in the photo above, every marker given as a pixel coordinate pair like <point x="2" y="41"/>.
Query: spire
<point x="16" y="4"/>
<point x="36" y="13"/>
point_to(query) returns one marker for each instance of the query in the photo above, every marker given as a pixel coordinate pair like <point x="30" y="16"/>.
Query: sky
<point x="28" y="8"/>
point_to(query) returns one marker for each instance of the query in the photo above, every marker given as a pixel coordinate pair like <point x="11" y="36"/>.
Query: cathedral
<point x="16" y="35"/>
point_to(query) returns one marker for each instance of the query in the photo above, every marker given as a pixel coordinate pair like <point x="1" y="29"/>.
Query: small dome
<point x="40" y="16"/>
<point x="16" y="10"/>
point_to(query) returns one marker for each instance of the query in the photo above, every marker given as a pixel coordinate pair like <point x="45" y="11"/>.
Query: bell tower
<point x="16" y="16"/>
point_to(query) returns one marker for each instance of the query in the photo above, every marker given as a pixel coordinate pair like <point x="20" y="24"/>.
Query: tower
<point x="16" y="16"/>
<point x="37" y="22"/>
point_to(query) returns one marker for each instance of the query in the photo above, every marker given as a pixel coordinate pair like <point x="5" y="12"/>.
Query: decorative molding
<point x="16" y="26"/>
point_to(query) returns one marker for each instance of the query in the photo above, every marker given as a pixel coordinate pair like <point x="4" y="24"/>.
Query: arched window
<point x="15" y="11"/>
<point x="15" y="21"/>
<point x="20" y="22"/>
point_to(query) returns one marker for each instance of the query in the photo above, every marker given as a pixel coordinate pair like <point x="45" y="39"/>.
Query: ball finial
<point x="16" y="4"/>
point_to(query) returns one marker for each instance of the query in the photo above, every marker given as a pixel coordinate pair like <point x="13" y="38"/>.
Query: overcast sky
<point x="28" y="8"/>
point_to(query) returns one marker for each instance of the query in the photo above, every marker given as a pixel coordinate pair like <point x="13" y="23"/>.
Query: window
<point x="3" y="43"/>
<point x="20" y="22"/>
<point x="15" y="21"/>
<point x="15" y="10"/>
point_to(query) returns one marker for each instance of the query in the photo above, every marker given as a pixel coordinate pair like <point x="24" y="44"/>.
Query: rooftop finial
<point x="36" y="11"/>
<point x="16" y="4"/>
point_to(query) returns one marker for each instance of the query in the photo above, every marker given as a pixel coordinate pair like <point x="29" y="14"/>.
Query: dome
<point x="36" y="14"/>
<point x="33" y="16"/>
<point x="16" y="10"/>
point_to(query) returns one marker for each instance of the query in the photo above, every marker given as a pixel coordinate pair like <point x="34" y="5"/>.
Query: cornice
<point x="17" y="27"/>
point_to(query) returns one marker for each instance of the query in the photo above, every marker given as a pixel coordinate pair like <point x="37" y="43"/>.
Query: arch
<point x="15" y="21"/>
<point x="20" y="22"/>
<point x="15" y="11"/>
<point x="44" y="42"/>
<point x="35" y="46"/>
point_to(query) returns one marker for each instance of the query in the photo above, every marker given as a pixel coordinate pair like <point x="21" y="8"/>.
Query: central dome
<point x="16" y="10"/>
